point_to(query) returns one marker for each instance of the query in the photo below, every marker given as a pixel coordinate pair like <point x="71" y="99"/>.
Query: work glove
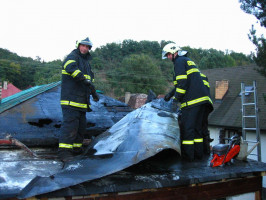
<point x="167" y="97"/>
<point x="87" y="82"/>
<point x="174" y="105"/>
<point x="89" y="109"/>
<point x="92" y="89"/>
<point x="95" y="96"/>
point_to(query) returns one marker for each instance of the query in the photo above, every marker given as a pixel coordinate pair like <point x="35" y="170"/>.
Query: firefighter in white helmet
<point x="193" y="94"/>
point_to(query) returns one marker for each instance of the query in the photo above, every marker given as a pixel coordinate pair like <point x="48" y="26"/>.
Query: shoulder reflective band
<point x="190" y="63"/>
<point x="68" y="62"/>
<point x="206" y="83"/>
<point x="180" y="90"/>
<point x="206" y="98"/>
<point x="188" y="142"/>
<point x="78" y="145"/>
<point x="198" y="140"/>
<point x="192" y="71"/>
<point x="71" y="103"/>
<point x="63" y="145"/>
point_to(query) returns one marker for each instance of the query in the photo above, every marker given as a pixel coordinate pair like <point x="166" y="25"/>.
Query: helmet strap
<point x="173" y="57"/>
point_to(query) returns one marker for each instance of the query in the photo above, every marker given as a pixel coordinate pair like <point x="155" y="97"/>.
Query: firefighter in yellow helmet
<point x="76" y="88"/>
<point x="191" y="91"/>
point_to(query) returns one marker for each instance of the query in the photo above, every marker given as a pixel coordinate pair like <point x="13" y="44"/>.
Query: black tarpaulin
<point x="139" y="135"/>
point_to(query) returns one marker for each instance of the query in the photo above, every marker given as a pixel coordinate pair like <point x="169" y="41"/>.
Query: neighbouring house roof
<point x="11" y="89"/>
<point x="227" y="112"/>
<point x="24" y="95"/>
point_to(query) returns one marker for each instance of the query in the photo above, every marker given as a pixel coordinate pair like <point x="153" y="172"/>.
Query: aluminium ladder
<point x="245" y="117"/>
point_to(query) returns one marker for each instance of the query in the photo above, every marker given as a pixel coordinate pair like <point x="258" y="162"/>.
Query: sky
<point x="49" y="29"/>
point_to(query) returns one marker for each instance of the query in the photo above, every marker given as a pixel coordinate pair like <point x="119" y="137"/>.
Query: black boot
<point x="65" y="155"/>
<point x="206" y="144"/>
<point x="77" y="150"/>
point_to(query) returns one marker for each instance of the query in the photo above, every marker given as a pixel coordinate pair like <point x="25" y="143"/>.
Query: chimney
<point x="221" y="89"/>
<point x="127" y="97"/>
<point x="5" y="85"/>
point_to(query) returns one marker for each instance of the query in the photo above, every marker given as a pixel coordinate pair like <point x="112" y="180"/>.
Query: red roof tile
<point x="11" y="89"/>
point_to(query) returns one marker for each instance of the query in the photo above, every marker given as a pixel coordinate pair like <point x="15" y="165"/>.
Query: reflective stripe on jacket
<point x="192" y="142"/>
<point x="191" y="85"/>
<point x="75" y="69"/>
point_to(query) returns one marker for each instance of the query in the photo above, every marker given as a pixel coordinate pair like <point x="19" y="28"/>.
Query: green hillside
<point x="119" y="67"/>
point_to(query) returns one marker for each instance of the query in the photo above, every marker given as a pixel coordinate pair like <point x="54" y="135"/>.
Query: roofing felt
<point x="139" y="135"/>
<point x="135" y="139"/>
<point x="34" y="116"/>
<point x="164" y="170"/>
<point x="227" y="112"/>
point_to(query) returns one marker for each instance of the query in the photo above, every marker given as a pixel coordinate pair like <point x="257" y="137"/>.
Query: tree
<point x="215" y="59"/>
<point x="138" y="73"/>
<point x="240" y="58"/>
<point x="9" y="71"/>
<point x="260" y="55"/>
<point x="258" y="9"/>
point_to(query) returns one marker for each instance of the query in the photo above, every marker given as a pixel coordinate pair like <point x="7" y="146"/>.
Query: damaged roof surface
<point x="139" y="135"/>
<point x="34" y="116"/>
<point x="139" y="151"/>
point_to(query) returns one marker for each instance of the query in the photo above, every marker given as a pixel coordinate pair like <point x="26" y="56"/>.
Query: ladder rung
<point x="251" y="116"/>
<point x="251" y="129"/>
<point x="253" y="154"/>
<point x="250" y="141"/>
<point x="248" y="104"/>
<point x="250" y="91"/>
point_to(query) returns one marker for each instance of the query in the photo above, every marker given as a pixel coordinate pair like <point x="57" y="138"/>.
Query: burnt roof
<point x="227" y="112"/>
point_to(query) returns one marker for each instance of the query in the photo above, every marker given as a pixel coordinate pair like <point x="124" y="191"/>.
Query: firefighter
<point x="208" y="109"/>
<point x="76" y="88"/>
<point x="193" y="95"/>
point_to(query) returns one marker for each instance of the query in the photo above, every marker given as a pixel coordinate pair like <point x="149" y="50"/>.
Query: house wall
<point x="214" y="132"/>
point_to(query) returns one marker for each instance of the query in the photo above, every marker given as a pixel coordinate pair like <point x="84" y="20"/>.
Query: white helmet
<point x="172" y="48"/>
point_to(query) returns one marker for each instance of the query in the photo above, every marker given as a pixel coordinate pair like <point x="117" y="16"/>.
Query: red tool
<point x="224" y="153"/>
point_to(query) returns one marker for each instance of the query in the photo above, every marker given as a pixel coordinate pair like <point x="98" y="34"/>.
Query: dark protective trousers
<point x="73" y="129"/>
<point x="205" y="131"/>
<point x="191" y="132"/>
<point x="206" y="112"/>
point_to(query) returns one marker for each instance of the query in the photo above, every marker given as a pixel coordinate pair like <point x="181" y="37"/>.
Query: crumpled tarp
<point x="139" y="135"/>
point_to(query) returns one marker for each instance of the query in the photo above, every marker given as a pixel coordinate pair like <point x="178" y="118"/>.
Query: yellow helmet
<point x="172" y="48"/>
